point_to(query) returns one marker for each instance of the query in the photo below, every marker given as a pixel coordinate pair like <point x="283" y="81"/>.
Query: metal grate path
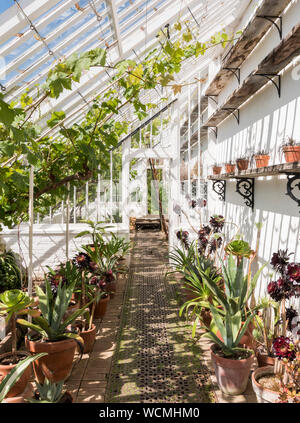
<point x="155" y="359"/>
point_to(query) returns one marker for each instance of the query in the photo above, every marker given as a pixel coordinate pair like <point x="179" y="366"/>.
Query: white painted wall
<point x="49" y="244"/>
<point x="264" y="121"/>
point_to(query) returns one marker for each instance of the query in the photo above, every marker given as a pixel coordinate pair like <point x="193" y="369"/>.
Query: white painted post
<point x="98" y="196"/>
<point x="199" y="135"/>
<point x="125" y="183"/>
<point x="68" y="222"/>
<point x="86" y="200"/>
<point x="189" y="140"/>
<point x="31" y="223"/>
<point x="111" y="188"/>
<point x="74" y="205"/>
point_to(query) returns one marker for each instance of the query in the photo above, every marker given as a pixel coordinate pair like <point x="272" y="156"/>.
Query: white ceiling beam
<point x="61" y="46"/>
<point x="13" y="21"/>
<point x="54" y="34"/>
<point x="18" y="41"/>
<point x="114" y="18"/>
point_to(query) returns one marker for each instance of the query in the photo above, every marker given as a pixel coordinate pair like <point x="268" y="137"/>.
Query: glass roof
<point x="35" y="34"/>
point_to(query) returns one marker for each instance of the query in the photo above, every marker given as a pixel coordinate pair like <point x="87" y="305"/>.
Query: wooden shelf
<point x="259" y="172"/>
<point x="272" y="64"/>
<point x="251" y="36"/>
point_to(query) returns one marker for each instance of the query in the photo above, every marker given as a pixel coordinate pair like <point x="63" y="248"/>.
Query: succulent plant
<point x="283" y="348"/>
<point x="239" y="248"/>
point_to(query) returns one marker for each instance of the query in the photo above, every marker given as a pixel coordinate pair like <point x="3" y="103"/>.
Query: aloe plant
<point x="49" y="392"/>
<point x="197" y="284"/>
<point x="14" y="375"/>
<point x="52" y="325"/>
<point x="15" y="302"/>
<point x="229" y="318"/>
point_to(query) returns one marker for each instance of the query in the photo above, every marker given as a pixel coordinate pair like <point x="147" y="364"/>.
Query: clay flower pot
<point x="20" y="386"/>
<point x="217" y="170"/>
<point x="57" y="365"/>
<point x="242" y="164"/>
<point x="264" y="360"/>
<point x="262" y="160"/>
<point x="111" y="288"/>
<point x="291" y="153"/>
<point x="88" y="337"/>
<point x="230" y="168"/>
<point x="232" y="375"/>
<point x="263" y="395"/>
<point x="101" y="307"/>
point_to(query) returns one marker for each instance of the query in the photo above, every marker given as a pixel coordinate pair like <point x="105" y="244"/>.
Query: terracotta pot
<point x="242" y="164"/>
<point x="101" y="307"/>
<point x="111" y="288"/>
<point x="263" y="395"/>
<point x="88" y="337"/>
<point x="217" y="170"/>
<point x="291" y="153"/>
<point x="264" y="360"/>
<point x="230" y="168"/>
<point x="57" y="365"/>
<point x="20" y="386"/>
<point x="262" y="161"/>
<point x="232" y="375"/>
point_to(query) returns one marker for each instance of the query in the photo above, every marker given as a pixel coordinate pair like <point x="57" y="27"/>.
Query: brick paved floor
<point x="143" y="351"/>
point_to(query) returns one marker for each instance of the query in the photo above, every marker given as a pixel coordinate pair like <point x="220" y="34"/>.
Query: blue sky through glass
<point x="5" y="5"/>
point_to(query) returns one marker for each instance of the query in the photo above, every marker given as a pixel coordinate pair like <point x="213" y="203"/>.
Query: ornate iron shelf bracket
<point x="270" y="77"/>
<point x="273" y="19"/>
<point x="293" y="183"/>
<point x="219" y="187"/>
<point x="234" y="112"/>
<point x="236" y="72"/>
<point x="214" y="129"/>
<point x="212" y="98"/>
<point x="2" y="87"/>
<point x="245" y="187"/>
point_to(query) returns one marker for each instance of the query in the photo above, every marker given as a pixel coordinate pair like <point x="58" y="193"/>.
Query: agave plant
<point x="202" y="291"/>
<point x="14" y="375"/>
<point x="48" y="392"/>
<point x="13" y="303"/>
<point x="52" y="325"/>
<point x="229" y="318"/>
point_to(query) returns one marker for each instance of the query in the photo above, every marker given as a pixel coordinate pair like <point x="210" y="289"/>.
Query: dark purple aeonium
<point x="283" y="347"/>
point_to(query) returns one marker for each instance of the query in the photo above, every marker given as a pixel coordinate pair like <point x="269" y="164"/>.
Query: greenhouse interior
<point x="149" y="203"/>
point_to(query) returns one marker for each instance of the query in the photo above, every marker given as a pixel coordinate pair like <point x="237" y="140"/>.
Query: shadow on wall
<point x="264" y="122"/>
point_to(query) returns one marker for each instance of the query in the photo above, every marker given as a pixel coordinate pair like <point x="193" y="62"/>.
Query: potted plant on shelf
<point x="242" y="163"/>
<point x="232" y="363"/>
<point x="230" y="167"/>
<point x="285" y="287"/>
<point x="291" y="150"/>
<point x="261" y="158"/>
<point x="13" y="303"/>
<point x="217" y="169"/>
<point x="51" y="333"/>
<point x="9" y="381"/>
